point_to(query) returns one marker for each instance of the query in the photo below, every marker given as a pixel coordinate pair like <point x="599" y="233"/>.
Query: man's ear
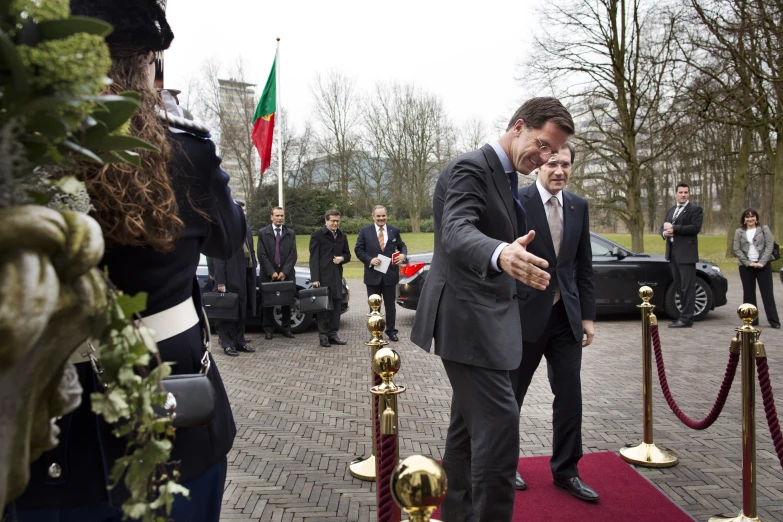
<point x="519" y="126"/>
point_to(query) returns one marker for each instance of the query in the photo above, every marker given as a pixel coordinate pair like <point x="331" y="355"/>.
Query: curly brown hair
<point x="136" y="206"/>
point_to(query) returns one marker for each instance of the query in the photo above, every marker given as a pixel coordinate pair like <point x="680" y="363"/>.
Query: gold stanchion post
<point x="418" y="486"/>
<point x="386" y="363"/>
<point x="751" y="348"/>
<point x="363" y="468"/>
<point x="647" y="454"/>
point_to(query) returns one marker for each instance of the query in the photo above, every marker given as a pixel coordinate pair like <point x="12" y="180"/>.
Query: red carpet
<point x="625" y="495"/>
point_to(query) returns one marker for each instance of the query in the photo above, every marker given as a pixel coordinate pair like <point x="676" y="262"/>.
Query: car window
<point x="600" y="248"/>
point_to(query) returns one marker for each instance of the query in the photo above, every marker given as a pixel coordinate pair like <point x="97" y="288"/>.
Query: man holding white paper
<point x="378" y="243"/>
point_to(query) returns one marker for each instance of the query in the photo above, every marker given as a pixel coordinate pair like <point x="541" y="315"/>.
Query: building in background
<point x="240" y="160"/>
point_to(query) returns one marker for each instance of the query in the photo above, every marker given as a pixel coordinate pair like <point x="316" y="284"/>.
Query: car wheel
<point x="703" y="301"/>
<point x="300" y="322"/>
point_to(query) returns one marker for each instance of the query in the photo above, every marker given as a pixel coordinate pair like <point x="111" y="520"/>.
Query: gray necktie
<point x="678" y="211"/>
<point x="556" y="229"/>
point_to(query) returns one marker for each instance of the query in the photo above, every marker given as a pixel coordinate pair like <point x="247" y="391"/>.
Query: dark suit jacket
<point x="572" y="269"/>
<point x="266" y="253"/>
<point x="238" y="279"/>
<point x="469" y="309"/>
<point x="686" y="233"/>
<point x="323" y="248"/>
<point x="367" y="248"/>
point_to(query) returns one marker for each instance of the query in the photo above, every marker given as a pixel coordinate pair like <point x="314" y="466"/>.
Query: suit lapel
<point x="536" y="216"/>
<point x="501" y="184"/>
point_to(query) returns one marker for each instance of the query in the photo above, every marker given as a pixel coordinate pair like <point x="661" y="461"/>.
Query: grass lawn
<point x="711" y="248"/>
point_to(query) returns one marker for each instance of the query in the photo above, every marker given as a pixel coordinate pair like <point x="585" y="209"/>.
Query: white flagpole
<point x="279" y="118"/>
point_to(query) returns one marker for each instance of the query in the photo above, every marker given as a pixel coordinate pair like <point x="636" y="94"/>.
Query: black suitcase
<point x="313" y="300"/>
<point x="221" y="306"/>
<point x="278" y="293"/>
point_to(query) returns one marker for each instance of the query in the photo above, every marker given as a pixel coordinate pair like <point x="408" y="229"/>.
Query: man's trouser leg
<point x="482" y="445"/>
<point x="334" y="318"/>
<point x="688" y="291"/>
<point x="389" y="294"/>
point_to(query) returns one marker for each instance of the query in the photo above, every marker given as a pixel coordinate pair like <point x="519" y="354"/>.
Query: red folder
<point x="394" y="257"/>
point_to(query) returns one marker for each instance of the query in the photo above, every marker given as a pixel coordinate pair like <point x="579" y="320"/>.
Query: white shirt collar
<point x="546" y="196"/>
<point x="385" y="230"/>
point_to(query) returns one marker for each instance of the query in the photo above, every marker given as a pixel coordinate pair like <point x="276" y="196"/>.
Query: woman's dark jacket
<point x="87" y="449"/>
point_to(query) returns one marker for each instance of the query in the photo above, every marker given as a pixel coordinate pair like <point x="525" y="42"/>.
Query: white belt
<point x="164" y="325"/>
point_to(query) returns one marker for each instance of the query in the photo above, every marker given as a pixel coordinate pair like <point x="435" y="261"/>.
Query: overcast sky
<point x="465" y="52"/>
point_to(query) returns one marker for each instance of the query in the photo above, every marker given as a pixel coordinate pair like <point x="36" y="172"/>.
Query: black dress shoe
<point x="337" y="340"/>
<point x="288" y="334"/>
<point x="230" y="350"/>
<point x="577" y="488"/>
<point x="269" y="336"/>
<point x="325" y="344"/>
<point x="680" y="324"/>
<point x="246" y="348"/>
<point x="519" y="483"/>
<point x="775" y="326"/>
<point x="394" y="337"/>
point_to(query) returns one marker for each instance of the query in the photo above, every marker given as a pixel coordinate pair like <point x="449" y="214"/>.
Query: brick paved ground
<point x="302" y="414"/>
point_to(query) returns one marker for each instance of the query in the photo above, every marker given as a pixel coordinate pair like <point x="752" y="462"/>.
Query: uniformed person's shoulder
<point x="180" y="125"/>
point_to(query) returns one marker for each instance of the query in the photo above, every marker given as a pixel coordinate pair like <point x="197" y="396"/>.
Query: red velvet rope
<point x="728" y="378"/>
<point x="769" y="407"/>
<point x="387" y="460"/>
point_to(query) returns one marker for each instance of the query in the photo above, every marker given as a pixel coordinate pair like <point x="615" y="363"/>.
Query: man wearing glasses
<point x="469" y="305"/>
<point x="558" y="322"/>
<point x="328" y="253"/>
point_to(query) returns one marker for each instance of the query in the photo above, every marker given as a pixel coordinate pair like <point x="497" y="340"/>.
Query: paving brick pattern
<point x="302" y="414"/>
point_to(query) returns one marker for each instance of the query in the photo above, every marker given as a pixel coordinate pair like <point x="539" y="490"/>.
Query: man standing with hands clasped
<point x="469" y="305"/>
<point x="277" y="253"/>
<point x="375" y="240"/>
<point x="558" y="322"/>
<point x="681" y="233"/>
<point x="328" y="253"/>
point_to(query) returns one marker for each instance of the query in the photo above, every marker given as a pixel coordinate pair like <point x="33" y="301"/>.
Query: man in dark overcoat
<point x="277" y="254"/>
<point x="328" y="253"/>
<point x="238" y="275"/>
<point x="382" y="239"/>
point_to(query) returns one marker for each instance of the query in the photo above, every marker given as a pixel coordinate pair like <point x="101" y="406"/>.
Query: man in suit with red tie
<point x="382" y="239"/>
<point x="557" y="322"/>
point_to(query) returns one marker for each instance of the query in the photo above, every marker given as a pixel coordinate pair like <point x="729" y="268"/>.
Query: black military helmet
<point x="139" y="25"/>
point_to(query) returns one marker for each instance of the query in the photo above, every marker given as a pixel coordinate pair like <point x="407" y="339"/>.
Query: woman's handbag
<point x="221" y="306"/>
<point x="314" y="300"/>
<point x="775" y="247"/>
<point x="191" y="397"/>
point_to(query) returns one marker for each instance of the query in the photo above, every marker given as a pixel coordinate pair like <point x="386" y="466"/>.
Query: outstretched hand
<point x="523" y="266"/>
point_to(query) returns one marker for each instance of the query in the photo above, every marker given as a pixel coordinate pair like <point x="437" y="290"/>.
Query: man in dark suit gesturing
<point x="558" y="322"/>
<point x="681" y="233"/>
<point x="375" y="240"/>
<point x="468" y="305"/>
<point x="277" y="253"/>
<point x="328" y="253"/>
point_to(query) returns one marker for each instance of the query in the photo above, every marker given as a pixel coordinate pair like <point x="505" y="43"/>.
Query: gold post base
<point x="733" y="518"/>
<point x="649" y="456"/>
<point x="363" y="468"/>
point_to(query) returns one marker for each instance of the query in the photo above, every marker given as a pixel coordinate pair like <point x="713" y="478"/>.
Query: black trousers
<point x="482" y="445"/>
<point x="564" y="364"/>
<point x="269" y="321"/>
<point x="389" y="294"/>
<point x="749" y="276"/>
<point x="231" y="333"/>
<point x="684" y="275"/>
<point x="329" y="321"/>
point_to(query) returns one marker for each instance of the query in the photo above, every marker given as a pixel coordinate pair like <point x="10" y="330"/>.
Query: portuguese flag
<point x="264" y="120"/>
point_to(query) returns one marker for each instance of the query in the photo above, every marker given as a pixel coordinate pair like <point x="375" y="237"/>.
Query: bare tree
<point x="612" y="62"/>
<point x="408" y="126"/>
<point x="336" y="109"/>
<point x="472" y="134"/>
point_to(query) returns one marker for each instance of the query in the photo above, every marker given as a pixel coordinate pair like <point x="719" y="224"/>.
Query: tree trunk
<point x="738" y="190"/>
<point x="777" y="224"/>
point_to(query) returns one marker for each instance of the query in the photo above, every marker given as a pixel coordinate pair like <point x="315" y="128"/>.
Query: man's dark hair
<point x="240" y="203"/>
<point x="683" y="184"/>
<point x="331" y="212"/>
<point x="536" y="112"/>
<point x="571" y="150"/>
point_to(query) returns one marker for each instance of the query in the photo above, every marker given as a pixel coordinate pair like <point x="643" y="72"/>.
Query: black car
<point x="618" y="274"/>
<point x="299" y="321"/>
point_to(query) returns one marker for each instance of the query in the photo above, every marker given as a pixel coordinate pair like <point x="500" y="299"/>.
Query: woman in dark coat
<point x="156" y="220"/>
<point x="753" y="247"/>
<point x="238" y="275"/>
